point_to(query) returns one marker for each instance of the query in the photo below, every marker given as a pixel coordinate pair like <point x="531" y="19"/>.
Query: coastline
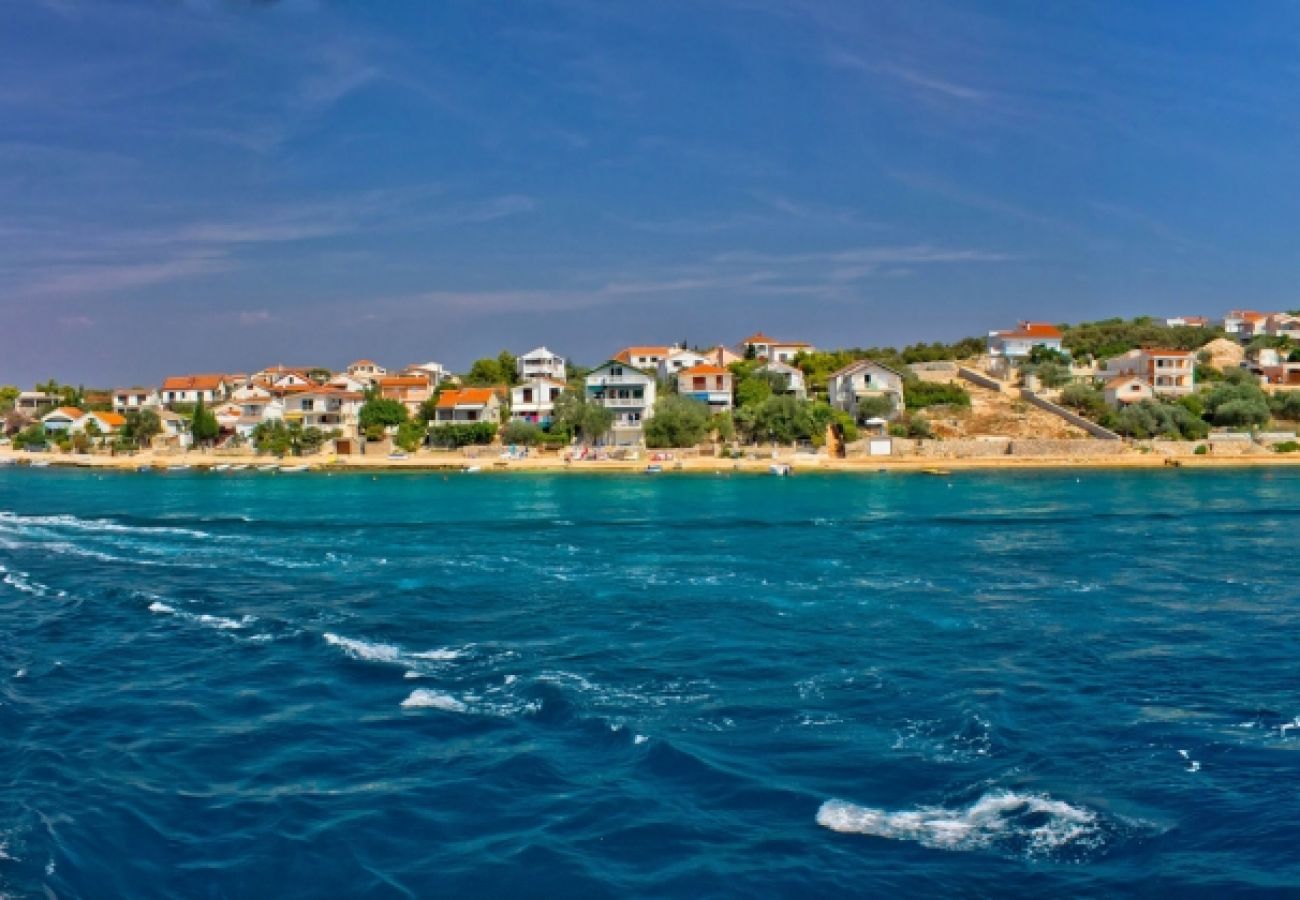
<point x="442" y="463"/>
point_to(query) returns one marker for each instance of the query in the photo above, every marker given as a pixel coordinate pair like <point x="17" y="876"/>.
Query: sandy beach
<point x="550" y="462"/>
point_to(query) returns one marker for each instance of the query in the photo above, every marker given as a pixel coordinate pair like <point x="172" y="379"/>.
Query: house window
<point x="616" y="371"/>
<point x="555" y="392"/>
<point x="699" y="383"/>
<point x="528" y="395"/>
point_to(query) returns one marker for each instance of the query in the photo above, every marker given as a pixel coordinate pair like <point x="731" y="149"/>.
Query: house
<point x="175" y="430"/>
<point x="367" y="370"/>
<point x="1275" y="367"/>
<point x="647" y="358"/>
<point x="464" y="405"/>
<point x="1244" y="323"/>
<point x="772" y="350"/>
<point x="182" y="389"/>
<point x="679" y="359"/>
<point x="32" y="402"/>
<point x="436" y="372"/>
<point x="785" y="379"/>
<point x="1016" y="345"/>
<point x="61" y="420"/>
<point x="345" y="382"/>
<point x="863" y="380"/>
<point x="127" y="399"/>
<point x="1187" y="322"/>
<point x="534" y="400"/>
<point x="722" y="356"/>
<point x="1125" y="389"/>
<point x="1170" y="373"/>
<point x="628" y="392"/>
<point x="707" y="383"/>
<point x="325" y="408"/>
<point x="541" y="363"/>
<point x="1282" y="325"/>
<point x="410" y="390"/>
<point x="104" y="422"/>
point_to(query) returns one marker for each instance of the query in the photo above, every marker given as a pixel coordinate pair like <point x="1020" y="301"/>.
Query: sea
<point x="1017" y="684"/>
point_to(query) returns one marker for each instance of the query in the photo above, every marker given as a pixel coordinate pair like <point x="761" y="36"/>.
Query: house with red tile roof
<point x="180" y="389"/>
<point x="646" y="357"/>
<point x="1168" y="372"/>
<point x="1125" y="389"/>
<point x="61" y="420"/>
<point x="707" y="383"/>
<point x="771" y="349"/>
<point x="410" y="390"/>
<point x="467" y="405"/>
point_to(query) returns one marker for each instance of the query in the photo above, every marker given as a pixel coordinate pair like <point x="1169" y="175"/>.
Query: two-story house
<point x="647" y="358"/>
<point x="678" y="359"/>
<point x="467" y="405"/>
<point x="190" y="389"/>
<point x="534" y="400"/>
<point x="761" y="346"/>
<point x="325" y="408"/>
<point x="626" y="391"/>
<point x="864" y="379"/>
<point x="541" y="363"/>
<point x="1170" y="373"/>
<point x="1014" y="346"/>
<point x="410" y="390"/>
<point x="135" y="398"/>
<point x="707" y="383"/>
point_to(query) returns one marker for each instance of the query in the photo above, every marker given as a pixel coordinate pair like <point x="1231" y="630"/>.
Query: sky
<point x="213" y="185"/>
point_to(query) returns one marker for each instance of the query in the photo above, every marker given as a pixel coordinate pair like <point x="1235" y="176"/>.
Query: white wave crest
<point x="372" y="652"/>
<point x="1031" y="824"/>
<point x="98" y="525"/>
<point x="21" y="581"/>
<point x="426" y="699"/>
<point x="159" y="607"/>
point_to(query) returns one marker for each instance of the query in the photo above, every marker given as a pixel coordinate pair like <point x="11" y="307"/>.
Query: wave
<point x="365" y="650"/>
<point x="221" y="623"/>
<point x="94" y="525"/>
<point x="422" y="698"/>
<point x="21" y="581"/>
<point x="1029" y="825"/>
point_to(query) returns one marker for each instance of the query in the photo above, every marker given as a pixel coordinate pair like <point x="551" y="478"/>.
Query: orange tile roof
<point x="465" y="397"/>
<point x="1164" y="351"/>
<point x="1123" y="379"/>
<point x="1033" y="330"/>
<point x="70" y="411"/>
<point x="111" y="419"/>
<point x="625" y="355"/>
<point x="705" y="369"/>
<point x="403" y="381"/>
<point x="759" y="338"/>
<point x="193" y="382"/>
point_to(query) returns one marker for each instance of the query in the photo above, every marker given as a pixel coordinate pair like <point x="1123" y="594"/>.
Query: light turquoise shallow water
<point x="301" y="685"/>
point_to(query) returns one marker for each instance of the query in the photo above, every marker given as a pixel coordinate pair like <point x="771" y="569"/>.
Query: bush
<point x="384" y="413"/>
<point x="1286" y="405"/>
<point x="677" y="422"/>
<point x="1286" y="447"/>
<point x="524" y="434"/>
<point x="874" y="408"/>
<point x="1201" y="450"/>
<point x="462" y="434"/>
<point x="1153" y="418"/>
<point x="1086" y="399"/>
<point x="31" y="436"/>
<point x="919" y="394"/>
<point x="1236" y="403"/>
<point x="919" y="427"/>
<point x="410" y="435"/>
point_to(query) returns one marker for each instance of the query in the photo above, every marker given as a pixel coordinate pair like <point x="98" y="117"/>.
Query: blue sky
<point x="218" y="186"/>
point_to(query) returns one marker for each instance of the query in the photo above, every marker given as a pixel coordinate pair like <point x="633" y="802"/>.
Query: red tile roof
<point x="465" y="397"/>
<point x="193" y="382"/>
<point x="625" y="355"/>
<point x="705" y="369"/>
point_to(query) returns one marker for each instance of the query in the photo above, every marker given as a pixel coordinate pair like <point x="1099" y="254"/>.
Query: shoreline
<point x="435" y="463"/>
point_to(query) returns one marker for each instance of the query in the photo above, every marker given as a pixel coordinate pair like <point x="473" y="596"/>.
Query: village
<point x="1174" y="387"/>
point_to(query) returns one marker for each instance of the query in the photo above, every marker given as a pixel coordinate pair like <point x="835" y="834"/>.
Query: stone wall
<point x="1000" y="447"/>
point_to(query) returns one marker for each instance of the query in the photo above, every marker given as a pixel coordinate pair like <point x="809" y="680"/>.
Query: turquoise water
<point x="511" y="686"/>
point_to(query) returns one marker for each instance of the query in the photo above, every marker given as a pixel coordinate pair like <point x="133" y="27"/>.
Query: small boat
<point x="473" y="469"/>
<point x="39" y="463"/>
<point x="239" y="468"/>
<point x="654" y="469"/>
<point x="293" y="468"/>
<point x="183" y="467"/>
<point x="224" y="467"/>
<point x="936" y="471"/>
<point x="779" y="469"/>
<point x="270" y="468"/>
<point x="398" y="455"/>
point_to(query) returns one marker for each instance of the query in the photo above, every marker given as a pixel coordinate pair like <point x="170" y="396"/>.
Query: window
<point x="616" y="371"/>
<point x="699" y="383"/>
<point x="528" y="395"/>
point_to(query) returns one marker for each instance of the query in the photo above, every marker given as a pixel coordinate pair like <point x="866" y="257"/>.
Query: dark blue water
<point x="308" y="685"/>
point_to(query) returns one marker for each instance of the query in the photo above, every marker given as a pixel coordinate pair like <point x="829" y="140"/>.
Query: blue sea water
<point x="512" y="686"/>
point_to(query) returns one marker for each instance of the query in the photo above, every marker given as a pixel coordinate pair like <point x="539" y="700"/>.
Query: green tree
<point x="462" y="434"/>
<point x="677" y="422"/>
<point x="1237" y="403"/>
<point x="524" y="434"/>
<point x="319" y="375"/>
<point x="142" y="426"/>
<point x="919" y="394"/>
<point x="1086" y="399"/>
<point x="509" y="367"/>
<point x="1286" y="405"/>
<point x="8" y="394"/>
<point x="203" y="426"/>
<point x="381" y="413"/>
<point x="410" y="435"/>
<point x="576" y="414"/>
<point x="487" y="371"/>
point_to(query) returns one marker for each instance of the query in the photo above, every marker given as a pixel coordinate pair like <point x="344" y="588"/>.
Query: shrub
<point x="1286" y="447"/>
<point x="1286" y="405"/>
<point x="1236" y="403"/>
<point x="410" y="435"/>
<point x="462" y="434"/>
<point x="919" y="427"/>
<point x="1201" y="450"/>
<point x="919" y="394"/>
<point x="1086" y="399"/>
<point x="677" y="422"/>
<point x="381" y="412"/>
<point x="522" y="433"/>
<point x="1152" y="418"/>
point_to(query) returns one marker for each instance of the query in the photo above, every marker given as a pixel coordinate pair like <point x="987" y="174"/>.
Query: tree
<point x="521" y="433"/>
<point x="8" y="394"/>
<point x="677" y="422"/>
<point x="381" y="413"/>
<point x="1050" y="374"/>
<point x="1155" y="418"/>
<point x="875" y="408"/>
<point x="919" y="394"/>
<point x="31" y="436"/>
<point x="1286" y="405"/>
<point x="320" y="376"/>
<point x="509" y="367"/>
<point x="488" y="371"/>
<point x="576" y="414"/>
<point x="310" y="440"/>
<point x="142" y="426"/>
<point x="203" y="426"/>
<point x="410" y="435"/>
<point x="1086" y="399"/>
<point x="1237" y="403"/>
<point x="462" y="434"/>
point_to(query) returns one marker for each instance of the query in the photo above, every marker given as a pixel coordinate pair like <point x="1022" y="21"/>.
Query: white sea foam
<point x="159" y="607"/>
<point x="94" y="525"/>
<point x="1031" y="824"/>
<point x="438" y="655"/>
<point x="366" y="650"/>
<point x="426" y="699"/>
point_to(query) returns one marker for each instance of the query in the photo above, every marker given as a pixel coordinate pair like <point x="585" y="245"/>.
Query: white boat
<point x="473" y="468"/>
<point x="398" y="456"/>
<point x="654" y="469"/>
<point x="778" y="469"/>
<point x="224" y="467"/>
<point x="271" y="468"/>
<point x="6" y="461"/>
<point x="293" y="468"/>
<point x="39" y="463"/>
<point x="239" y="468"/>
<point x="183" y="467"/>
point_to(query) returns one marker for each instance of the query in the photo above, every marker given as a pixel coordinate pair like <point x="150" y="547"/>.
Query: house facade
<point x="785" y="379"/>
<point x="61" y="420"/>
<point x="1125" y="389"/>
<point x="534" y="400"/>
<point x="1016" y="344"/>
<point x="135" y="398"/>
<point x="182" y="389"/>
<point x="541" y="363"/>
<point x="680" y="359"/>
<point x="410" y="390"/>
<point x="32" y="402"/>
<point x="771" y="349"/>
<point x="1244" y="323"/>
<point x="628" y="392"/>
<point x="366" y="370"/>
<point x="1281" y="325"/>
<point x="325" y="408"/>
<point x="862" y="380"/>
<point x="1170" y="373"/>
<point x="467" y="405"/>
<point x="648" y="357"/>
<point x="106" y="423"/>
<point x="707" y="383"/>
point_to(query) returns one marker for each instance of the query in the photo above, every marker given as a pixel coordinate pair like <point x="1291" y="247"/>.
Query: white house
<point x="366" y="370"/>
<point x="1187" y="322"/>
<point x="345" y="382"/>
<point x="1125" y="389"/>
<point x="435" y="372"/>
<point x="863" y="380"/>
<point x="175" y="429"/>
<point x="679" y="359"/>
<point x="534" y="400"/>
<point x="465" y="405"/>
<point x="105" y="422"/>
<point x="192" y="388"/>
<point x="61" y="420"/>
<point x="127" y="399"/>
<point x="628" y="392"/>
<point x="785" y="379"/>
<point x="722" y="356"/>
<point x="1283" y="325"/>
<point x="1170" y="373"/>
<point x="1015" y="345"/>
<point x="541" y="363"/>
<point x="1244" y="323"/>
<point x="648" y="357"/>
<point x="324" y="408"/>
<point x="34" y="401"/>
<point x="771" y="349"/>
<point x="707" y="383"/>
